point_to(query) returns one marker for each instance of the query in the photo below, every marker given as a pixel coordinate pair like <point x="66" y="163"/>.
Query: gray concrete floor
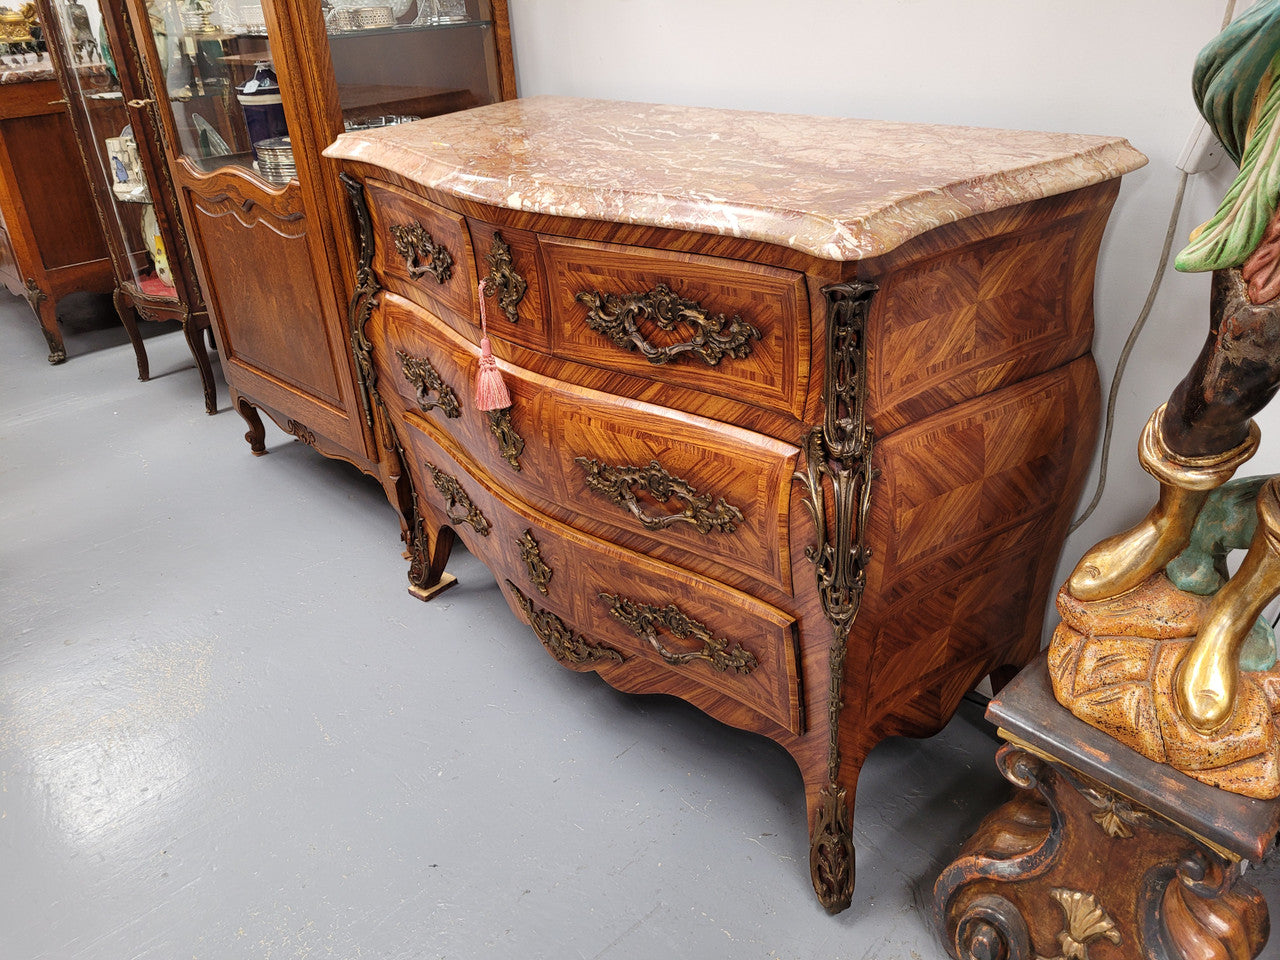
<point x="228" y="732"/>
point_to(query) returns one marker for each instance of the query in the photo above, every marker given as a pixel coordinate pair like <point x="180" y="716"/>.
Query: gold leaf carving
<point x="1086" y="922"/>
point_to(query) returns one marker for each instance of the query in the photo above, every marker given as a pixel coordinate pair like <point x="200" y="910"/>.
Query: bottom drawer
<point x="644" y="625"/>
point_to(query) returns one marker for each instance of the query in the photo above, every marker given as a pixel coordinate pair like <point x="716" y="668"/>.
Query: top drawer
<point x="421" y="250"/>
<point x="724" y="327"/>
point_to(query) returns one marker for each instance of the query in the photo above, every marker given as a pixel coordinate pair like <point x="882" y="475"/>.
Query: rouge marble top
<point x="837" y="189"/>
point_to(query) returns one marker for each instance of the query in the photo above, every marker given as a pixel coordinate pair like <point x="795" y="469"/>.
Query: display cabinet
<point x="50" y="242"/>
<point x="117" y="135"/>
<point x="249" y="95"/>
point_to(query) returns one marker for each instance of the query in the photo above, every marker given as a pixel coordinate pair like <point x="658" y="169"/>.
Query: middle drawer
<point x="706" y="495"/>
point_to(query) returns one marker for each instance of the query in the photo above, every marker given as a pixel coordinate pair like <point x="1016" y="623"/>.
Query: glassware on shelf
<point x="373" y="17"/>
<point x="253" y="21"/>
<point x="428" y="12"/>
<point x="451" y="11"/>
<point x="197" y="17"/>
<point x="440" y="11"/>
<point x="372" y="123"/>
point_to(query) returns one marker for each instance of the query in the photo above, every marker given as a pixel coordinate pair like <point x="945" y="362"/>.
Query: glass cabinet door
<point x="221" y="85"/>
<point x="409" y="59"/>
<point x="95" y="92"/>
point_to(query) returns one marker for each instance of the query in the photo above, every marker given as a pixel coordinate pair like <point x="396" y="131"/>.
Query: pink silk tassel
<point x="491" y="390"/>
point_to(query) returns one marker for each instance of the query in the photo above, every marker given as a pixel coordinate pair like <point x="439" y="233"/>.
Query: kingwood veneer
<point x="800" y="407"/>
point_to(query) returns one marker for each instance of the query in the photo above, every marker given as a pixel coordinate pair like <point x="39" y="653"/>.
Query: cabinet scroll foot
<point x="257" y="433"/>
<point x="46" y="312"/>
<point x="192" y="331"/>
<point x="831" y="854"/>
<point x="428" y="555"/>
<point x="129" y="319"/>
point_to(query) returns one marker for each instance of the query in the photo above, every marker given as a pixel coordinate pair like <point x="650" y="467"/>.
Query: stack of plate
<point x="275" y="159"/>
<point x="370" y="123"/>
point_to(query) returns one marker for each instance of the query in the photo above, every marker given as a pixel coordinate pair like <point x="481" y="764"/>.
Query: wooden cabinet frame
<point x="275" y="259"/>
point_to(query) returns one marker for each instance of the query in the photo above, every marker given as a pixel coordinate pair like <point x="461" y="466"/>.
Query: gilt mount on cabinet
<point x="714" y="337"/>
<point x="732" y="430"/>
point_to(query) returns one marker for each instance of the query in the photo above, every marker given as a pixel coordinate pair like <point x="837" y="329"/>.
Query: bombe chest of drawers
<point x="796" y="409"/>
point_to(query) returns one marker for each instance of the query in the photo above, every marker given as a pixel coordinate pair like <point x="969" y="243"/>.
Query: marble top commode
<point x="834" y="188"/>
<point x="744" y="457"/>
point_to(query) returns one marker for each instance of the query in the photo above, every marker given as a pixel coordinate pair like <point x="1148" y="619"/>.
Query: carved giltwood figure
<point x="1154" y="630"/>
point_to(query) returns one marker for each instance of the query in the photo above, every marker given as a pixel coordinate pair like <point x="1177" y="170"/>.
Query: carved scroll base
<point x="1068" y="869"/>
<point x="1113" y="662"/>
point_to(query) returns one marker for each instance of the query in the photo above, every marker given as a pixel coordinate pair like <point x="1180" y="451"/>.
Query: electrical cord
<point x="1129" y="344"/>
<point x="1136" y="331"/>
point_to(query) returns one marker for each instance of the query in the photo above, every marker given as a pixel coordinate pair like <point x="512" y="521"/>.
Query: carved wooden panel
<point x="247" y="249"/>
<point x="734" y="298"/>
<point x="561" y="424"/>
<point x="439" y="272"/>
<point x="590" y="574"/>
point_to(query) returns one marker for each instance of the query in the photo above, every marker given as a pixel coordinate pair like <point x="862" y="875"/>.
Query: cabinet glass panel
<point x="409" y="59"/>
<point x="221" y="85"/>
<point x="95" y="93"/>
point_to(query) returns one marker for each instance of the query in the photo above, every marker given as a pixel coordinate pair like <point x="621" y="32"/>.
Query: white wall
<point x="1118" y="67"/>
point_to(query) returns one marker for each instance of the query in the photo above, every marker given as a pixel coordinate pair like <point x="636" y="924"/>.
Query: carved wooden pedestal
<point x="1102" y="854"/>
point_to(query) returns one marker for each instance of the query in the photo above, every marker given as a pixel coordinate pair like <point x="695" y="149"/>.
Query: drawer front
<point x="723" y="327"/>
<point x="698" y="493"/>
<point x="515" y="302"/>
<point x="643" y="624"/>
<point x="422" y="250"/>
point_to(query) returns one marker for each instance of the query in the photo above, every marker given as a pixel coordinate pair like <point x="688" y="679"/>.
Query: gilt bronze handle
<point x="422" y="255"/>
<point x="426" y="380"/>
<point x="644" y="620"/>
<point x="561" y="642"/>
<point x="715" y="337"/>
<point x="457" y="505"/>
<point x="619" y="484"/>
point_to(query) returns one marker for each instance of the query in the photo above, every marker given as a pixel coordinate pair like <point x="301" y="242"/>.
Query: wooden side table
<point x="1101" y="854"/>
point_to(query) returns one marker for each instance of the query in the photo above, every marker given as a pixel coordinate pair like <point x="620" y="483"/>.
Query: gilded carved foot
<point x="46" y="312"/>
<point x="1068" y="869"/>
<point x="1121" y="562"/>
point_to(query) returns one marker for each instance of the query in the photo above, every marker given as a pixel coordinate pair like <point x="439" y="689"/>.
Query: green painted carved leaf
<point x="1235" y="230"/>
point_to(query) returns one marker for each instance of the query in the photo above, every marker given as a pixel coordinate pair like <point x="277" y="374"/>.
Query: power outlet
<point x="1202" y="151"/>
